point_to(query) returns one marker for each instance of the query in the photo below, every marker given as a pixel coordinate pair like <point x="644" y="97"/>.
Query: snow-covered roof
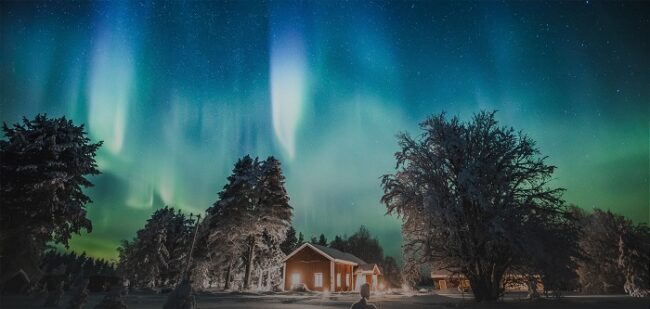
<point x="368" y="268"/>
<point x="443" y="273"/>
<point x="331" y="254"/>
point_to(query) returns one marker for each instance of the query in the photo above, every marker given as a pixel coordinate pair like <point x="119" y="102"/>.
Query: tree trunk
<point x="249" y="263"/>
<point x="226" y="286"/>
<point x="486" y="287"/>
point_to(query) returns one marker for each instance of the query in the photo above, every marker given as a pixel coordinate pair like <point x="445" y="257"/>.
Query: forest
<point x="475" y="198"/>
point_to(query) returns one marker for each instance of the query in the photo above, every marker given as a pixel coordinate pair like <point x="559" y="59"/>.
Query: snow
<point x="253" y="300"/>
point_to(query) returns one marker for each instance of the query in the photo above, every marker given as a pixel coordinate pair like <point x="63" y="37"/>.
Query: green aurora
<point x="178" y="91"/>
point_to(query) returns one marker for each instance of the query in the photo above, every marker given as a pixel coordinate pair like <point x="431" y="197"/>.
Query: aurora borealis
<point x="178" y="91"/>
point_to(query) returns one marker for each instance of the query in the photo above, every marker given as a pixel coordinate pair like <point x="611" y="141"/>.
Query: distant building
<point x="321" y="268"/>
<point x="445" y="280"/>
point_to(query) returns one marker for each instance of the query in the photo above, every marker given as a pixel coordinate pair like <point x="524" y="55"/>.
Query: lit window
<point x="318" y="280"/>
<point x="295" y="278"/>
<point x="338" y="279"/>
<point x="347" y="279"/>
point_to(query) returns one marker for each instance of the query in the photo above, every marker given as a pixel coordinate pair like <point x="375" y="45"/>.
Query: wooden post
<point x="332" y="277"/>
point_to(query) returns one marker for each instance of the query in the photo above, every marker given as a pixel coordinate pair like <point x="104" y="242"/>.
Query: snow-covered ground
<point x="306" y="300"/>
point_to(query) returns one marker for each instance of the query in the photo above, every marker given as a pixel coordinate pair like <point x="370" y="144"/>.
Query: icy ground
<point x="306" y="301"/>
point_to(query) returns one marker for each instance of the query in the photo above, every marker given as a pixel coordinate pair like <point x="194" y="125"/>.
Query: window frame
<point x="318" y="283"/>
<point x="295" y="278"/>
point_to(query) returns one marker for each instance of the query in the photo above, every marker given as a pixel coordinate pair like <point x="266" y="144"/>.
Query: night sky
<point x="178" y="91"/>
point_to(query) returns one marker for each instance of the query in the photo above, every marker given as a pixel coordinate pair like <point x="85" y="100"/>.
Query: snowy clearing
<point x="251" y="300"/>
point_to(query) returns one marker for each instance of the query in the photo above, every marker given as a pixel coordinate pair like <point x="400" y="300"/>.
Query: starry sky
<point x="178" y="91"/>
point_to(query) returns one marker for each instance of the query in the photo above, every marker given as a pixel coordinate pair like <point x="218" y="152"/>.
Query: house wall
<point x="366" y="277"/>
<point x="307" y="262"/>
<point x="443" y="283"/>
<point x="343" y="269"/>
<point x="447" y="282"/>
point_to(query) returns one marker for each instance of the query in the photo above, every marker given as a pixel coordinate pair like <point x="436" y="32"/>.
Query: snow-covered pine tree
<point x="268" y="258"/>
<point x="272" y="213"/>
<point x="180" y="232"/>
<point x="44" y="163"/>
<point x="599" y="271"/>
<point x="290" y="242"/>
<point x="616" y="253"/>
<point x="253" y="204"/>
<point x="229" y="219"/>
<point x="634" y="259"/>
<point x="157" y="255"/>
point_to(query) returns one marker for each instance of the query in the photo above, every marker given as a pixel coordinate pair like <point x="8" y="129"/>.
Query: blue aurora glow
<point x="178" y="91"/>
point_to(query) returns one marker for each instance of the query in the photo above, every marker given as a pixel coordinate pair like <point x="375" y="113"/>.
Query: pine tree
<point x="44" y="163"/>
<point x="634" y="259"/>
<point x="598" y="271"/>
<point x="322" y="240"/>
<point x="253" y="204"/>
<point x="301" y="239"/>
<point x="616" y="254"/>
<point x="339" y="244"/>
<point x="291" y="242"/>
<point x="392" y="273"/>
<point x="156" y="256"/>
<point x="364" y="246"/>
<point x="272" y="213"/>
<point x="223" y="230"/>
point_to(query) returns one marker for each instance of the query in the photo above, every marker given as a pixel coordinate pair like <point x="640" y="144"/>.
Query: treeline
<point x="615" y="254"/>
<point x="475" y="198"/>
<point x="71" y="268"/>
<point x="237" y="244"/>
<point x="366" y="247"/>
<point x="45" y="163"/>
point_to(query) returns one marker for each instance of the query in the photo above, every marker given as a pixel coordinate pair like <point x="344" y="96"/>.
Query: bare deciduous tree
<point x="469" y="195"/>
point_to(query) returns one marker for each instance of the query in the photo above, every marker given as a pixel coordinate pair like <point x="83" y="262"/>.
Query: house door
<point x="442" y="284"/>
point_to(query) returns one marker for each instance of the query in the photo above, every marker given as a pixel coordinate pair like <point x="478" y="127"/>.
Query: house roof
<point x="444" y="273"/>
<point x="340" y="255"/>
<point x="331" y="254"/>
<point x="368" y="268"/>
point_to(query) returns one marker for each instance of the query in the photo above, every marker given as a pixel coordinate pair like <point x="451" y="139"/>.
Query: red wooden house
<point x="322" y="268"/>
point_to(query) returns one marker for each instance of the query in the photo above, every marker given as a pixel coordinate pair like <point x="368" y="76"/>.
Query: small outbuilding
<point x="444" y="280"/>
<point x="320" y="268"/>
